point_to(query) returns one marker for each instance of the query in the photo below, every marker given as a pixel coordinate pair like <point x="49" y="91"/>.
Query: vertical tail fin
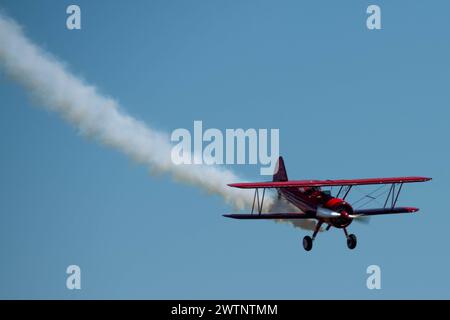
<point x="280" y="173"/>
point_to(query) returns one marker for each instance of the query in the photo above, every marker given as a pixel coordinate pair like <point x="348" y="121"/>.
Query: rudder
<point x="280" y="173"/>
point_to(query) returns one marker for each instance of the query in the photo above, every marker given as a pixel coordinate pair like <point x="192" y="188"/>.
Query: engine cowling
<point x="344" y="209"/>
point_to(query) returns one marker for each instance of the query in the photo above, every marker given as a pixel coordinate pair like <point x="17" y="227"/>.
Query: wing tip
<point x="240" y="185"/>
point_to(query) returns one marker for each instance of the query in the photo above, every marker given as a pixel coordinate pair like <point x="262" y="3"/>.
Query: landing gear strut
<point x="351" y="240"/>
<point x="308" y="241"/>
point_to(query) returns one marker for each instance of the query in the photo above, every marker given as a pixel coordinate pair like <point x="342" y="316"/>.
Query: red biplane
<point x="317" y="203"/>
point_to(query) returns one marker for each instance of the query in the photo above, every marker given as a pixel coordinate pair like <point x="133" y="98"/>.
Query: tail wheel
<point x="307" y="243"/>
<point x="351" y="241"/>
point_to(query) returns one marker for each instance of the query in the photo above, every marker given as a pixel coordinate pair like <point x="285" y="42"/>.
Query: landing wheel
<point x="351" y="241"/>
<point x="307" y="243"/>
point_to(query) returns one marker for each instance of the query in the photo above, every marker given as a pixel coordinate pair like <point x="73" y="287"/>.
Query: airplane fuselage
<point x="319" y="204"/>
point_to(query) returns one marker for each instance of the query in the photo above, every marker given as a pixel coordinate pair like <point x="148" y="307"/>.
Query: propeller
<point x="361" y="218"/>
<point x="327" y="213"/>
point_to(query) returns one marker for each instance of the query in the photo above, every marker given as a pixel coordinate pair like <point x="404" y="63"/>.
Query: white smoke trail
<point x="100" y="117"/>
<point x="281" y="205"/>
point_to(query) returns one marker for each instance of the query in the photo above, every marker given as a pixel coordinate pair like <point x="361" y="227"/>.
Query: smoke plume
<point x="101" y="118"/>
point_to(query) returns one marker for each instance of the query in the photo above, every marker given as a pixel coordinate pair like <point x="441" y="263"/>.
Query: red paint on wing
<point x="324" y="183"/>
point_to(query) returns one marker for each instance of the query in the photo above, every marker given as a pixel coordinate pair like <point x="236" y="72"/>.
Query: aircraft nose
<point x="344" y="214"/>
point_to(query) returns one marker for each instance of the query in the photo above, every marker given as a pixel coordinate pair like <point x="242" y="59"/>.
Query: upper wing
<point x="377" y="211"/>
<point x="324" y="183"/>
<point x="287" y="215"/>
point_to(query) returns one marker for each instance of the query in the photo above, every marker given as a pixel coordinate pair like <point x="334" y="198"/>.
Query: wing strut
<point x="339" y="192"/>
<point x="346" y="193"/>
<point x="259" y="204"/>
<point x="393" y="195"/>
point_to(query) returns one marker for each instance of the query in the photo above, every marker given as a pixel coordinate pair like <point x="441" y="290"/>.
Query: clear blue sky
<point x="349" y="103"/>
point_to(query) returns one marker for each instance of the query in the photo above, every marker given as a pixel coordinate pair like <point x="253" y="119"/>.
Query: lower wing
<point x="378" y="211"/>
<point x="296" y="215"/>
<point x="287" y="215"/>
